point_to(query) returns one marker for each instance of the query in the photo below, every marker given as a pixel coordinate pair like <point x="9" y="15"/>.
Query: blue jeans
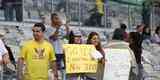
<point x="61" y="65"/>
<point x="60" y="61"/>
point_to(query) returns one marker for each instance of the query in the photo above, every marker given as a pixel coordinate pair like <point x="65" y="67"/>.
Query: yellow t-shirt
<point x="100" y="6"/>
<point x="37" y="58"/>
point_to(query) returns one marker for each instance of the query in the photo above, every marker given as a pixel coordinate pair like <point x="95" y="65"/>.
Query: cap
<point x="77" y="33"/>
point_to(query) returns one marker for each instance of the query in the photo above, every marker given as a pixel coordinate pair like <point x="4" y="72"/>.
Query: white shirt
<point x="59" y="41"/>
<point x="3" y="50"/>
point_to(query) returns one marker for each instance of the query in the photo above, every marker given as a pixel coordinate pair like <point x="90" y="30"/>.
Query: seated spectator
<point x="146" y="34"/>
<point x="125" y="34"/>
<point x="156" y="36"/>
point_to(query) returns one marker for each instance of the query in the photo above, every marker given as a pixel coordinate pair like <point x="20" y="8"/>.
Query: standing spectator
<point x="118" y="43"/>
<point x="75" y="37"/>
<point x="8" y="9"/>
<point x="139" y="30"/>
<point x="100" y="6"/>
<point x="156" y="36"/>
<point x="55" y="34"/>
<point x="36" y="54"/>
<point x="134" y="39"/>
<point x="18" y="10"/>
<point x="125" y="34"/>
<point x="94" y="39"/>
<point x="100" y="11"/>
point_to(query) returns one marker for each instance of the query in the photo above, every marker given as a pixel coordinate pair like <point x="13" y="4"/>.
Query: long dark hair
<point x="144" y="30"/>
<point x="135" y="37"/>
<point x="135" y="45"/>
<point x="98" y="47"/>
<point x="71" y="37"/>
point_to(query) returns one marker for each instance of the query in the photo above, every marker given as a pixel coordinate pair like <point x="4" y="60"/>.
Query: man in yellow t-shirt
<point x="100" y="6"/>
<point x="36" y="54"/>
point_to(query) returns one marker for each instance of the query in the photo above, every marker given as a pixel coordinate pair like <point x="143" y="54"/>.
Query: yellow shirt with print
<point x="37" y="57"/>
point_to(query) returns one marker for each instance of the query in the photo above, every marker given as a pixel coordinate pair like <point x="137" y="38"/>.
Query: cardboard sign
<point x="78" y="58"/>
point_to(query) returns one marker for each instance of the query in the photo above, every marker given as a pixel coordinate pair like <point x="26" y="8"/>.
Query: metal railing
<point x="82" y="12"/>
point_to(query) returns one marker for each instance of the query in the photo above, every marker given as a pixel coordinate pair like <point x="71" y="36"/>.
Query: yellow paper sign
<point x="78" y="58"/>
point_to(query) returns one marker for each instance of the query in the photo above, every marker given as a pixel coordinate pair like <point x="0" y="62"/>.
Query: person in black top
<point x="135" y="46"/>
<point x="8" y="9"/>
<point x="18" y="10"/>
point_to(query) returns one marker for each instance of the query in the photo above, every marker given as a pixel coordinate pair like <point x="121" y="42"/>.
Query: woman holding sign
<point x="75" y="37"/>
<point x="94" y="39"/>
